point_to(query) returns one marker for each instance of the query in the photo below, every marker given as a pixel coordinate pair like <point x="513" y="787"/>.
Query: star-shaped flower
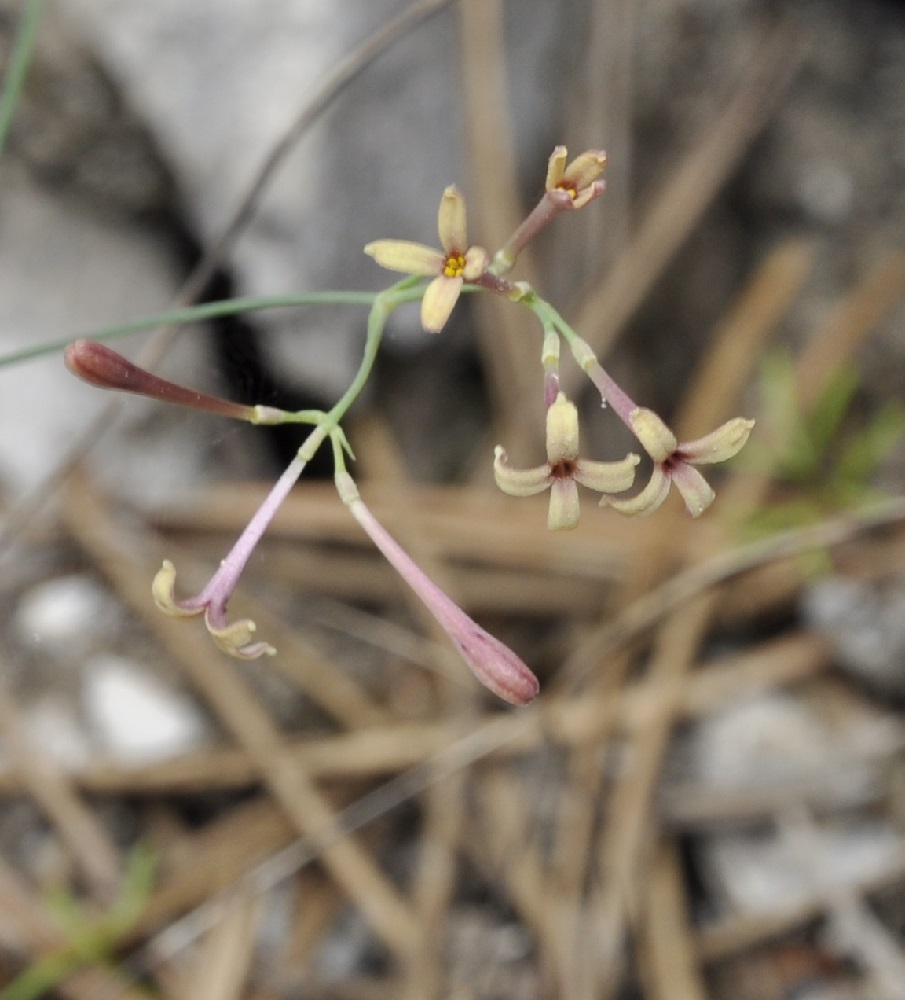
<point x="674" y="462"/>
<point x="563" y="469"/>
<point x="452" y="266"/>
<point x="579" y="178"/>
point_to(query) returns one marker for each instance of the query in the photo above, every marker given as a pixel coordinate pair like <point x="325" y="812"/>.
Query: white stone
<point x="134" y="716"/>
<point x="759" y="874"/>
<point x="759" y="741"/>
<point x="65" y="614"/>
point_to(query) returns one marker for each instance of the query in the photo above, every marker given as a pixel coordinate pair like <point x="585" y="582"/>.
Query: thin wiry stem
<point x="18" y="64"/>
<point x="193" y="314"/>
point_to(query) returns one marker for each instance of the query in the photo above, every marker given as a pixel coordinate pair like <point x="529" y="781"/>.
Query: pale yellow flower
<point x="674" y="462"/>
<point x="579" y="178"/>
<point x="563" y="469"/>
<point x="234" y="638"/>
<point x="452" y="266"/>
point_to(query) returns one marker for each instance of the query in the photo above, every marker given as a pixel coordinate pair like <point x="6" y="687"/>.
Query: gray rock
<point x="219" y="82"/>
<point x="865" y="623"/>
<point x="75" y="270"/>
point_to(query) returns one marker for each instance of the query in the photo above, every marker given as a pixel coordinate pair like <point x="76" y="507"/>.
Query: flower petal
<point x="452" y="221"/>
<point x="562" y="431"/>
<point x="696" y="491"/>
<point x="607" y="477"/>
<point x="439" y="298"/>
<point x="589" y="193"/>
<point x="410" y="258"/>
<point x="163" y="590"/>
<point x="556" y="166"/>
<point x="585" y="169"/>
<point x="235" y="639"/>
<point x="718" y="445"/>
<point x="564" y="509"/>
<point x="648" y="500"/>
<point x="476" y="262"/>
<point x="652" y="433"/>
<point x="519" y="482"/>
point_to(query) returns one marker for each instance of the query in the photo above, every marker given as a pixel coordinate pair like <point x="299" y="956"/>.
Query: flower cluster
<point x="570" y="186"/>
<point x="496" y="666"/>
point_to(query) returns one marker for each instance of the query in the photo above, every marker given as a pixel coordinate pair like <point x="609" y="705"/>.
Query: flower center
<point x="564" y="469"/>
<point x="454" y="265"/>
<point x="569" y="187"/>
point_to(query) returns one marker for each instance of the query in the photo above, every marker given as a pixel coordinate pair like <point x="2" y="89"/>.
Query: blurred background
<point x="707" y="799"/>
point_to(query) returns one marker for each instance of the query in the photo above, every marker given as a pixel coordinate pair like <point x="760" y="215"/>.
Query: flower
<point x="579" y="178"/>
<point x="452" y="266"/>
<point x="232" y="637"/>
<point x="675" y="462"/>
<point x="563" y="469"/>
<point x="567" y="187"/>
<point x="492" y="662"/>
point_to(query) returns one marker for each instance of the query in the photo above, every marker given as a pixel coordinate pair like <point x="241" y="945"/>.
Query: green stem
<point x="17" y="67"/>
<point x="623" y="405"/>
<point x="339" y="458"/>
<point x="383" y="303"/>
<point x="407" y="290"/>
<point x="192" y="314"/>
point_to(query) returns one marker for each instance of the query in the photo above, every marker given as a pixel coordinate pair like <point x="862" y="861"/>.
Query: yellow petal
<point x="439" y="298"/>
<point x="696" y="491"/>
<point x="410" y="258"/>
<point x="519" y="482"/>
<point x="589" y="193"/>
<point x="564" y="509"/>
<point x="235" y="640"/>
<point x="163" y="590"/>
<point x="476" y="261"/>
<point x="647" y="501"/>
<point x="654" y="436"/>
<point x="452" y="221"/>
<point x="585" y="169"/>
<point x="607" y="477"/>
<point x="562" y="431"/>
<point x="718" y="445"/>
<point x="556" y="165"/>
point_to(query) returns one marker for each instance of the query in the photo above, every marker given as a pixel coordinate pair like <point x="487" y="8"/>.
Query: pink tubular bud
<point x="494" y="664"/>
<point x="100" y="366"/>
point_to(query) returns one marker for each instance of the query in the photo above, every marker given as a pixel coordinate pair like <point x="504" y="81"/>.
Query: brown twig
<point x="512" y="372"/>
<point x="678" y="206"/>
<point x="669" y="959"/>
<point x="234" y="704"/>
